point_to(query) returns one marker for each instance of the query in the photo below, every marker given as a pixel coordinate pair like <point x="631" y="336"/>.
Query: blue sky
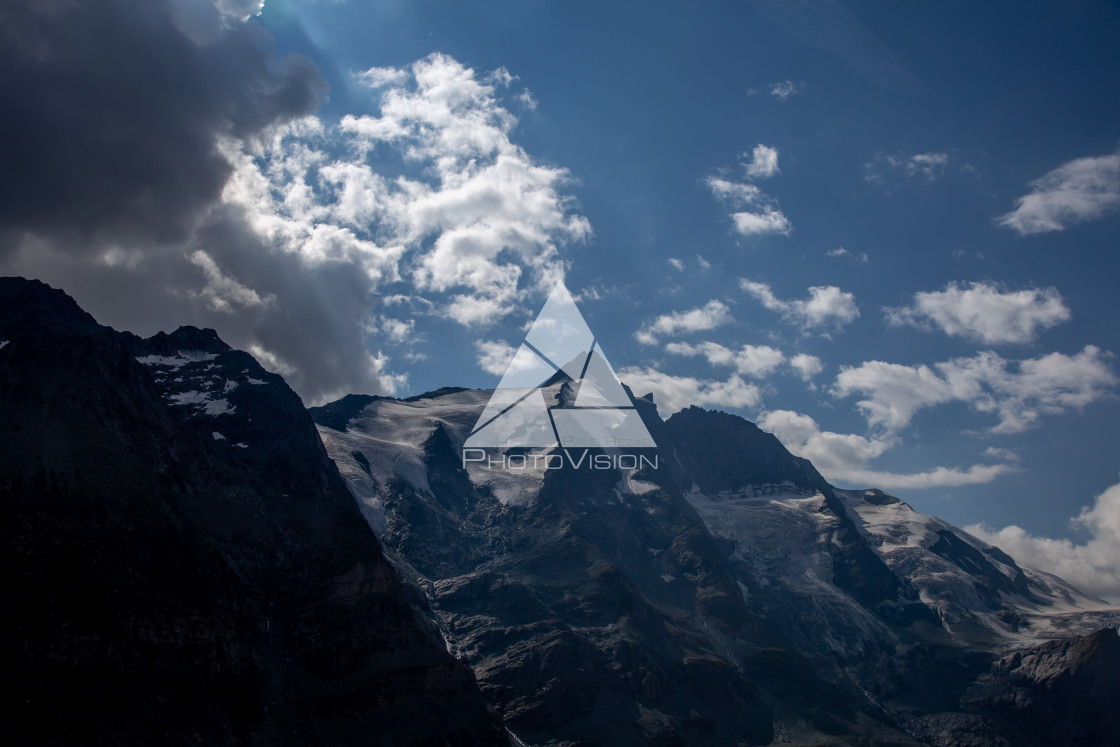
<point x="887" y="233"/>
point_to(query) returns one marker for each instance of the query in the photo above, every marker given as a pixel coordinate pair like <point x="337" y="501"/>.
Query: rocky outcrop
<point x="1060" y="692"/>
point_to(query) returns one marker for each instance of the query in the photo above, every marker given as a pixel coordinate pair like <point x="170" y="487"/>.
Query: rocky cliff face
<point x="1058" y="692"/>
<point x="729" y="596"/>
<point x="181" y="563"/>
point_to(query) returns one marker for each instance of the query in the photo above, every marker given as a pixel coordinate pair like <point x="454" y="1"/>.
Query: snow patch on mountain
<point x="780" y="537"/>
<point x="892" y="526"/>
<point x="219" y="407"/>
<point x="182" y="358"/>
<point x="510" y="487"/>
<point x="629" y="485"/>
<point x="390" y="435"/>
<point x="189" y="398"/>
<point x="975" y="589"/>
<point x="384" y="442"/>
<point x="203" y="402"/>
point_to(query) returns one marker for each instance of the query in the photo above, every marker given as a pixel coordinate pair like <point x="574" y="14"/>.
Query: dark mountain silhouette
<point x="181" y="563"/>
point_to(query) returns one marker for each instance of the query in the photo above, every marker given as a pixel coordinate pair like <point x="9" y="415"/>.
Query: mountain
<point x="181" y="563"/>
<point x="728" y="596"/>
<point x="186" y="557"/>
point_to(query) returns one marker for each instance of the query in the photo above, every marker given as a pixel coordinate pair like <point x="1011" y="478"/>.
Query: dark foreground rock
<point x="180" y="562"/>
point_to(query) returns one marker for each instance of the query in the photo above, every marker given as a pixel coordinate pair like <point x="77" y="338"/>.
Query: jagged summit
<point x="186" y="338"/>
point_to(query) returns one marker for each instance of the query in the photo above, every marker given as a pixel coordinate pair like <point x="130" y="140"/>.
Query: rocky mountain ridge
<point x="730" y="596"/>
<point x="188" y="559"/>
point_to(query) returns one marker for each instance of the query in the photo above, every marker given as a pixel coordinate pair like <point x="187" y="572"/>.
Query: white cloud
<point x="752" y="211"/>
<point x="673" y="393"/>
<point x="527" y="100"/>
<point x="709" y="316"/>
<point x="676" y="264"/>
<point x="807" y="366"/>
<point x="1003" y="455"/>
<point x="896" y="392"/>
<point x="763" y="162"/>
<point x="842" y="252"/>
<point x="222" y="292"/>
<point x="271" y="361"/>
<point x="756" y="361"/>
<point x="1081" y="190"/>
<point x="240" y="10"/>
<point x="704" y="264"/>
<point x="736" y="193"/>
<point x="938" y="477"/>
<point x="827" y="306"/>
<point x="982" y="312"/>
<point x="483" y="218"/>
<point x="494" y="356"/>
<point x="1092" y="566"/>
<point x="843" y="457"/>
<point x="767" y="221"/>
<point x="783" y="89"/>
<point x="397" y="330"/>
<point x="1049" y="384"/>
<point x="927" y="166"/>
<point x="376" y="77"/>
<point x="501" y="77"/>
<point x="1017" y="393"/>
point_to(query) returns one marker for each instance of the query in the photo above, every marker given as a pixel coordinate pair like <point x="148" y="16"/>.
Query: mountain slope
<point x="181" y="563"/>
<point x="594" y="605"/>
<point x="729" y="596"/>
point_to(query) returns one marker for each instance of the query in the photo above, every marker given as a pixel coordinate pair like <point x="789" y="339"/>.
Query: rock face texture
<point x="729" y="596"/>
<point x="1059" y="692"/>
<point x="181" y="563"/>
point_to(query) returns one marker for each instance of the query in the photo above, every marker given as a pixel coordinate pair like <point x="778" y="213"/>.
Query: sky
<point x="886" y="233"/>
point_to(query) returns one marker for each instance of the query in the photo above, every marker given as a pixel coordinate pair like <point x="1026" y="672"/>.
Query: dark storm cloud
<point x="112" y="114"/>
<point x="311" y="326"/>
